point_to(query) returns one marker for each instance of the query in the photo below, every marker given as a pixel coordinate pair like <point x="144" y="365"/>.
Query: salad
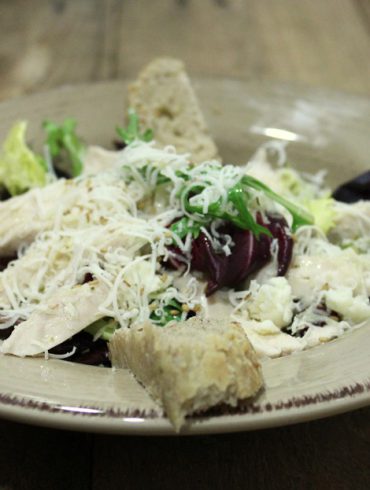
<point x="94" y="240"/>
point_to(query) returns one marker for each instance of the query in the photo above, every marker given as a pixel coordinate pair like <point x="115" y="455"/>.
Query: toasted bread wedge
<point x="165" y="101"/>
<point x="189" y="366"/>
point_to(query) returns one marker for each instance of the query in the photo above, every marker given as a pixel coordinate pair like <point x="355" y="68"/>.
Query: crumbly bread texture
<point x="165" y="101"/>
<point x="189" y="366"/>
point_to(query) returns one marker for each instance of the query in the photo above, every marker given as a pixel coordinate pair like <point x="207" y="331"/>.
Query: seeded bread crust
<point x="189" y="366"/>
<point x="165" y="101"/>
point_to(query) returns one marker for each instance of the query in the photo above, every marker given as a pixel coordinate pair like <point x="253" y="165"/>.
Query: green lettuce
<point x="105" y="327"/>
<point x="315" y="200"/>
<point x="323" y="213"/>
<point x="297" y="188"/>
<point x="20" y="168"/>
<point x="65" y="146"/>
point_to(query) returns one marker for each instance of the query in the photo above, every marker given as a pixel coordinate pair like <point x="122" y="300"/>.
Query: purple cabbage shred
<point x="248" y="254"/>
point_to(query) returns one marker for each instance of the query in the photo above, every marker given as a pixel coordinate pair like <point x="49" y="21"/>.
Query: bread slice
<point x="189" y="366"/>
<point x="165" y="101"/>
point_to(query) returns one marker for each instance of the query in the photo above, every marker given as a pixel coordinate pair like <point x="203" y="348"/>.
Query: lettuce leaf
<point x="313" y="198"/>
<point x="105" y="328"/>
<point x="323" y="213"/>
<point x="296" y="187"/>
<point x="20" y="168"/>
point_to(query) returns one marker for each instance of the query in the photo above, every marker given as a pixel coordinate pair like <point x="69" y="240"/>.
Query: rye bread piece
<point x="189" y="366"/>
<point x="165" y="101"/>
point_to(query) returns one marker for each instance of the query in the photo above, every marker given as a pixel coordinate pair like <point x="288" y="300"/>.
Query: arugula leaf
<point x="171" y="311"/>
<point x="185" y="225"/>
<point x="66" y="148"/>
<point x="300" y="216"/>
<point x="235" y="210"/>
<point x="132" y="132"/>
<point x="237" y="196"/>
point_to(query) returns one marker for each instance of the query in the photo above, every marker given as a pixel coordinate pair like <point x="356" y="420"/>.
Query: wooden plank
<point x="51" y="42"/>
<point x="320" y="455"/>
<point x="322" y="43"/>
<point x="363" y="9"/>
<point x="44" y="459"/>
<point x="45" y="44"/>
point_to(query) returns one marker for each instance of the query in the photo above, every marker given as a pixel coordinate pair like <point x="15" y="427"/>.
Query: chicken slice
<point x="32" y="271"/>
<point x="23" y="217"/>
<point x="44" y="264"/>
<point x="64" y="314"/>
<point x="19" y="273"/>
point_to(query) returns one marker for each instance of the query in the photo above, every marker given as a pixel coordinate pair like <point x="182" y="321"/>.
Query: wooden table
<point x="47" y="43"/>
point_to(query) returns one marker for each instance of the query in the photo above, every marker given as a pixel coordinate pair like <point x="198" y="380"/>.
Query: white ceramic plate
<point x="325" y="129"/>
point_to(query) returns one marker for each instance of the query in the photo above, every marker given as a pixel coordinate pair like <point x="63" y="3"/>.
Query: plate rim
<point x="48" y="415"/>
<point x="81" y="418"/>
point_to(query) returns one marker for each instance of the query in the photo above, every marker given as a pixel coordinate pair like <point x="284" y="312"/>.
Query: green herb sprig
<point x="132" y="131"/>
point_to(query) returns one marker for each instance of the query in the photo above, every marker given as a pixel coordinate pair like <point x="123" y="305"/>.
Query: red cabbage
<point x="248" y="254"/>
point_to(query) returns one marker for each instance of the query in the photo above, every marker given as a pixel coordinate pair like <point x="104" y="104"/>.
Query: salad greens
<point x="236" y="209"/>
<point x="171" y="311"/>
<point x="304" y="193"/>
<point x="300" y="216"/>
<point x="132" y="132"/>
<point x="238" y="197"/>
<point x="323" y="213"/>
<point x="104" y="328"/>
<point x="20" y="168"/>
<point x="66" y="148"/>
<point x="224" y="223"/>
<point x="186" y="225"/>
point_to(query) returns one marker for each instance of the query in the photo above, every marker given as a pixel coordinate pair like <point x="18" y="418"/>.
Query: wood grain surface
<point x="45" y="43"/>
<point x="48" y="43"/>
